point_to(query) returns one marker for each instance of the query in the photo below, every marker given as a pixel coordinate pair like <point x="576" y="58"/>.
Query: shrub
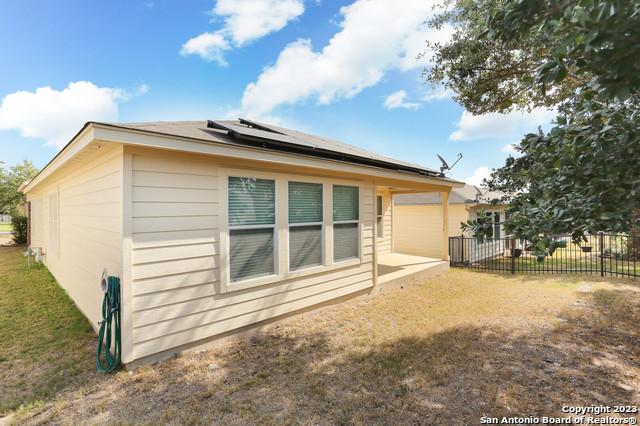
<point x="20" y="226"/>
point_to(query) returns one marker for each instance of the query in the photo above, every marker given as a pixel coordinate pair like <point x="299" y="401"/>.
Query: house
<point x="419" y="216"/>
<point x="216" y="226"/>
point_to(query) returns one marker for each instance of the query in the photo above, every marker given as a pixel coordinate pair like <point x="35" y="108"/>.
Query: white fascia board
<point x="77" y="144"/>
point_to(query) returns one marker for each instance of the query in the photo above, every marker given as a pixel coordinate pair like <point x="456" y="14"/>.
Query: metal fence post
<point x="601" y="238"/>
<point x="512" y="244"/>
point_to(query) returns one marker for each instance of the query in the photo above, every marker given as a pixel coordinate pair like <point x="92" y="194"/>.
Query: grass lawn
<point x="5" y="227"/>
<point x="45" y="342"/>
<point x="448" y="351"/>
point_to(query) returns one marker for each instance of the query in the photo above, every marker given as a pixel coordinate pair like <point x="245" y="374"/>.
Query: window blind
<point x="305" y="241"/>
<point x="345" y="203"/>
<point x="305" y="202"/>
<point x="346" y="216"/>
<point x="251" y="201"/>
<point x="305" y="246"/>
<point x="251" y="253"/>
<point x="345" y="241"/>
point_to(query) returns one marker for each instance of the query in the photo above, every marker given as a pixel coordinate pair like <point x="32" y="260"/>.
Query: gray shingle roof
<point x="200" y="130"/>
<point x="469" y="194"/>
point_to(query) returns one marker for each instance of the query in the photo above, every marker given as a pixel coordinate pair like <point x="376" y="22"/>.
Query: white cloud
<point x="248" y="20"/>
<point x="376" y="36"/>
<point x="510" y="148"/>
<point x="509" y="126"/>
<point x="437" y="93"/>
<point x="398" y="100"/>
<point x="478" y="176"/>
<point x="56" y="116"/>
<point x="244" y="21"/>
<point x="209" y="46"/>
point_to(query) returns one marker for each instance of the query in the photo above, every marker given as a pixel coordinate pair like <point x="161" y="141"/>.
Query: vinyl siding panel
<point x="176" y="258"/>
<point x="418" y="228"/>
<point x="89" y="225"/>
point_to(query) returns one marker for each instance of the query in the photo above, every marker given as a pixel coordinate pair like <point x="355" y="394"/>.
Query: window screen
<point x="305" y="225"/>
<point x="346" y="222"/>
<point x="251" y="227"/>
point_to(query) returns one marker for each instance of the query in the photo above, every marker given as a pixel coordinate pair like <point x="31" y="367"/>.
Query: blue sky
<point x="342" y="69"/>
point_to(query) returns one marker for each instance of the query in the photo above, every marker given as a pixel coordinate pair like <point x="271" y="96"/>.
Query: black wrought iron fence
<point x="602" y="254"/>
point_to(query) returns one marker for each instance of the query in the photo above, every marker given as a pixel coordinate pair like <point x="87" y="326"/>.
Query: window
<point x="53" y="224"/>
<point x="252" y="218"/>
<point x="346" y="216"/>
<point x="379" y="216"/>
<point x="305" y="225"/>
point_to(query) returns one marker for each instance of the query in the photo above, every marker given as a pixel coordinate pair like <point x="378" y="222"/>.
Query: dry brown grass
<point x="448" y="351"/>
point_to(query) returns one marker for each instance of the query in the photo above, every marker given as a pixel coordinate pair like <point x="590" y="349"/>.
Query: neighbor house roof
<point x="469" y="194"/>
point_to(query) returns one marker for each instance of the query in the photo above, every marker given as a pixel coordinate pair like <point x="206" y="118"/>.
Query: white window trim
<point x="225" y="273"/>
<point x="323" y="228"/>
<point x="281" y="237"/>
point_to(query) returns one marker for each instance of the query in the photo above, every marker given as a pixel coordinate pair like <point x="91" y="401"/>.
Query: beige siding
<point x="385" y="243"/>
<point x="176" y="258"/>
<point x="89" y="226"/>
<point x="418" y="228"/>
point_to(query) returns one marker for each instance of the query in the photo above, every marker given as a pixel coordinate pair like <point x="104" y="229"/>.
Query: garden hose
<point x="110" y="317"/>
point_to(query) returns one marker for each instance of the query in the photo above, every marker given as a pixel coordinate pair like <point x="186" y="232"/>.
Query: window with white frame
<point x="252" y="222"/>
<point x="379" y="216"/>
<point x="346" y="222"/>
<point x="305" y="225"/>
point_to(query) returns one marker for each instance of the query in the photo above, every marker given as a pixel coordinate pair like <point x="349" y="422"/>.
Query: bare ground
<point x="449" y="351"/>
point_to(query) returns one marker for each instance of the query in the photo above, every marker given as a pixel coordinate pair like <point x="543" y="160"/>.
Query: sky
<point x="347" y="70"/>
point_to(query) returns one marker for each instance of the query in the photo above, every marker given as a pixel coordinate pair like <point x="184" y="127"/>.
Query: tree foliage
<point x="11" y="199"/>
<point x="580" y="57"/>
<point x="20" y="229"/>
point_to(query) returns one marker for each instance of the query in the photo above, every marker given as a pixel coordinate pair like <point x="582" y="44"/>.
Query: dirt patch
<point x="449" y="351"/>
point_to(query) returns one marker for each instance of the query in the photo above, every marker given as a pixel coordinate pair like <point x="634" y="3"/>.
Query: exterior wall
<point x="473" y="214"/>
<point x="417" y="231"/>
<point x="177" y="234"/>
<point x="418" y="228"/>
<point x="88" y="235"/>
<point x="384" y="244"/>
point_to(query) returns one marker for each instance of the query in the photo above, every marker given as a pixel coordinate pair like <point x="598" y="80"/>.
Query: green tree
<point x="581" y="57"/>
<point x="12" y="201"/>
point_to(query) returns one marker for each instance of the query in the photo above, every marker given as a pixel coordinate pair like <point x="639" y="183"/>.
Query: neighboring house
<point x="4" y="217"/>
<point x="214" y="226"/>
<point x="419" y="216"/>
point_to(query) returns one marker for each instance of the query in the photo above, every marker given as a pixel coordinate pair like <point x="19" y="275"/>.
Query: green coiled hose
<point x="110" y="318"/>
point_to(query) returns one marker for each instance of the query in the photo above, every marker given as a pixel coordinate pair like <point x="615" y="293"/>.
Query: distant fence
<point x="602" y="254"/>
